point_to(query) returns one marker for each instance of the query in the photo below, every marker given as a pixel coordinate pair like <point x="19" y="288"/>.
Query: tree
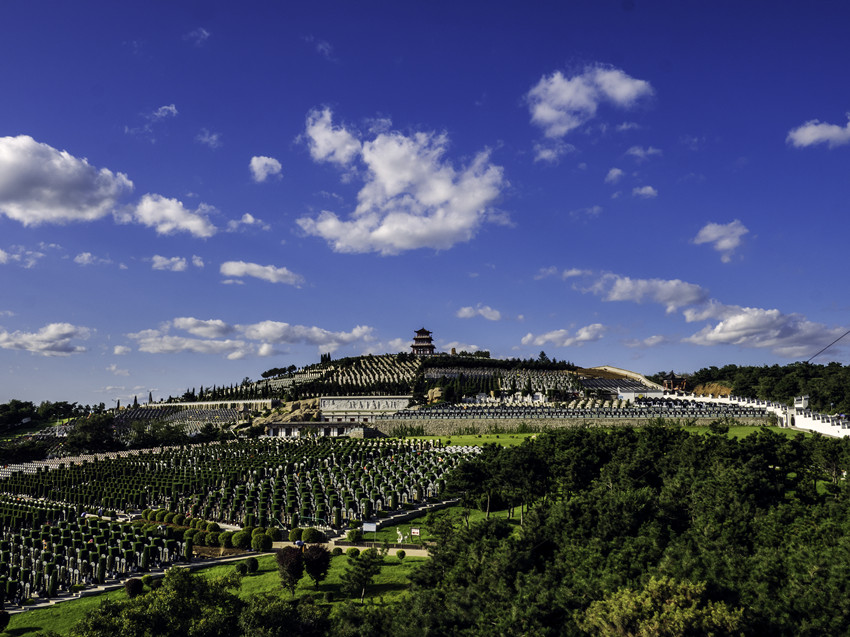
<point x="361" y="569"/>
<point x="185" y="604"/>
<point x="317" y="562"/>
<point x="290" y="567"/>
<point x="664" y="607"/>
<point x="94" y="433"/>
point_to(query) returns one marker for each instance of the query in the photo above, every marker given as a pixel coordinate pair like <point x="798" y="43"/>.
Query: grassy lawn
<point x="391" y="583"/>
<point x="509" y="440"/>
<point x="741" y="432"/>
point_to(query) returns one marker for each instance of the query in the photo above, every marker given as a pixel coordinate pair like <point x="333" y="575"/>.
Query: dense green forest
<point x="828" y="386"/>
<point x="650" y="531"/>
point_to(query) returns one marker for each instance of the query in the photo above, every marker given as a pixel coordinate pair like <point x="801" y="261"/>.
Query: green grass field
<point x="509" y="440"/>
<point x="391" y="583"/>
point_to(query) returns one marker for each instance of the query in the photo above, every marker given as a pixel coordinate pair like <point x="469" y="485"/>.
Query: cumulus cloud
<point x="268" y="273"/>
<point x="247" y="221"/>
<point x="211" y="328"/>
<point x="40" y="184"/>
<point x="87" y="258"/>
<point x="614" y="175"/>
<point x="121" y="350"/>
<point x="552" y="150"/>
<point x="460" y="347"/>
<point x="645" y="192"/>
<point x="114" y="369"/>
<point x="551" y="271"/>
<point x="816" y="132"/>
<point x="559" y="104"/>
<point x="173" y="264"/>
<point x="789" y="335"/>
<point x="725" y="238"/>
<point x="169" y="216"/>
<point x="642" y="154"/>
<point x="671" y="293"/>
<point x="484" y="311"/>
<point x="197" y="261"/>
<point x="54" y="339"/>
<point x="277" y="333"/>
<point x="563" y="338"/>
<point x="264" y="167"/>
<point x="412" y="197"/>
<point x="646" y="343"/>
<point x="207" y="138"/>
<point x="328" y="142"/>
<point x="158" y="342"/>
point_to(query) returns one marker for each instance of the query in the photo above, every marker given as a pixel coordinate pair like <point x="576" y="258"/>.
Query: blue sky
<point x="193" y="193"/>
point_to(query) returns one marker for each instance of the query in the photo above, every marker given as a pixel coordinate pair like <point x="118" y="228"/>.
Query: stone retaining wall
<point x="484" y="425"/>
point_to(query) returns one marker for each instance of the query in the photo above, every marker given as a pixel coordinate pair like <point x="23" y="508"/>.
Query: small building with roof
<point x="423" y="343"/>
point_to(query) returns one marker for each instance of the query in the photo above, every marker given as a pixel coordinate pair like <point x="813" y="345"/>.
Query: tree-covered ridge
<point x="643" y="532"/>
<point x="828" y="386"/>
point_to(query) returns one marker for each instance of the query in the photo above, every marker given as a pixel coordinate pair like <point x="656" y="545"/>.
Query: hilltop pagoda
<point x="423" y="343"/>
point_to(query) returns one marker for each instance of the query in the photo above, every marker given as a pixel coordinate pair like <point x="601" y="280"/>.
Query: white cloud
<point x="268" y="273"/>
<point x="174" y="264"/>
<point x="789" y="335"/>
<point x="645" y="192"/>
<point x="725" y="238"/>
<point x="329" y="143"/>
<point x="158" y="115"/>
<point x="627" y="126"/>
<point x="817" y="132"/>
<point x="197" y="36"/>
<point x="121" y="350"/>
<point x="205" y="137"/>
<point x="459" y="347"/>
<point x="642" y="154"/>
<point x="87" y="258"/>
<point x="158" y="342"/>
<point x="650" y="341"/>
<point x="164" y="112"/>
<point x="413" y="198"/>
<point x="247" y="220"/>
<point x="614" y="175"/>
<point x="39" y="184"/>
<point x="570" y="273"/>
<point x="212" y="328"/>
<point x="197" y="261"/>
<point x="168" y="216"/>
<point x="54" y="339"/>
<point x="114" y="369"/>
<point x="264" y="167"/>
<point x="4" y="256"/>
<point x="484" y="311"/>
<point x="277" y="332"/>
<point x="672" y="293"/>
<point x="563" y="338"/>
<point x="552" y="151"/>
<point x="559" y="104"/>
<point x="399" y="345"/>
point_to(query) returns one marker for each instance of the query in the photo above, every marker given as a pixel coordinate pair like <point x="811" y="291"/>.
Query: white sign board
<point x="414" y="531"/>
<point x="370" y="527"/>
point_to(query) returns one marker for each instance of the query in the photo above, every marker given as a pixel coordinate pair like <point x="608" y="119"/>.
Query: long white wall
<point x="819" y="423"/>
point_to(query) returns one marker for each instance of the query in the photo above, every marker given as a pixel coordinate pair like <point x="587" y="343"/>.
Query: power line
<point x="828" y="346"/>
